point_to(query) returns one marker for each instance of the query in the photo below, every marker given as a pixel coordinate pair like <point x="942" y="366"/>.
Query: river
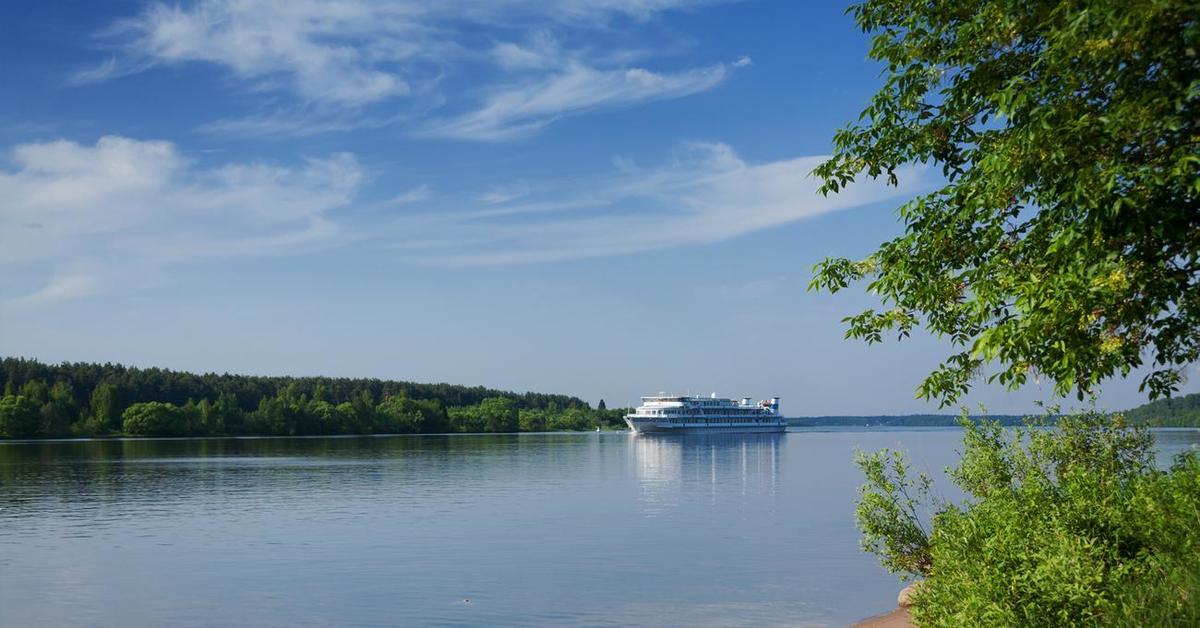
<point x="584" y="529"/>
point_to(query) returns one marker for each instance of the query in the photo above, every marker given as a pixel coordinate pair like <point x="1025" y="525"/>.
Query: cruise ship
<point x="677" y="415"/>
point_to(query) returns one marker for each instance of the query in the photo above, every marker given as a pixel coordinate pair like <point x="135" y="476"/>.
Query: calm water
<point x="563" y="529"/>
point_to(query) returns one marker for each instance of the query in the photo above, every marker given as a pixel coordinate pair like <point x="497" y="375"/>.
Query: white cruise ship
<point x="675" y="415"/>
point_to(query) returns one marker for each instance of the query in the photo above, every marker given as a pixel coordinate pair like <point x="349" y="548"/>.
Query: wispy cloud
<point x="294" y="123"/>
<point x="354" y="63"/>
<point x="296" y="42"/>
<point x="89" y="218"/>
<point x="505" y="193"/>
<point x="419" y="194"/>
<point x="706" y="194"/>
<point x="88" y="215"/>
<point x="523" y="108"/>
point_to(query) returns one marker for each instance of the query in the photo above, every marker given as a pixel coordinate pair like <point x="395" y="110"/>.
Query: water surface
<point x="562" y="529"/>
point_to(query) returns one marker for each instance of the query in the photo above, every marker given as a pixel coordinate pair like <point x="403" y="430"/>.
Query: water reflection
<point x="673" y="466"/>
<point x="37" y="478"/>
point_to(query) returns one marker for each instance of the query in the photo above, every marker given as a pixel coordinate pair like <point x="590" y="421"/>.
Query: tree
<point x="363" y="404"/>
<point x="1070" y="526"/>
<point x="1065" y="241"/>
<point x="432" y="415"/>
<point x="601" y="406"/>
<point x="532" y="420"/>
<point x="105" y="409"/>
<point x="59" y="410"/>
<point x="499" y="414"/>
<point x="154" y="418"/>
<point x="397" y="415"/>
<point x="227" y="416"/>
<point x="19" y="416"/>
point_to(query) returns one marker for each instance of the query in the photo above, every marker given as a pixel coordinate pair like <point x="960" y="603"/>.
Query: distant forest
<point x="85" y="399"/>
<point x="1173" y="412"/>
<point x="907" y="420"/>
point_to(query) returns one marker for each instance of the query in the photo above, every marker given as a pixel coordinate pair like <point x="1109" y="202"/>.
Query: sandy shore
<point x="896" y="619"/>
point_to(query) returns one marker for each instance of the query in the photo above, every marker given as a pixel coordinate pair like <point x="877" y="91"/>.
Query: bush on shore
<point x="1070" y="526"/>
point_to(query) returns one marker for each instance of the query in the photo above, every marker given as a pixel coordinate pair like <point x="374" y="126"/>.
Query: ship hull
<point x="661" y="427"/>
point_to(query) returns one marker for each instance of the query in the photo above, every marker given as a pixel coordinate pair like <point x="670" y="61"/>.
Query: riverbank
<point x="898" y="618"/>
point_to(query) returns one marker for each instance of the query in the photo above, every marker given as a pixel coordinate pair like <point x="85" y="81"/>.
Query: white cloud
<point x="90" y="218"/>
<point x="707" y="194"/>
<point x="293" y="123"/>
<point x="339" y="63"/>
<point x="505" y="193"/>
<point x="541" y="53"/>
<point x="296" y="40"/>
<point x="419" y="194"/>
<point x="64" y="285"/>
<point x="89" y="215"/>
<point x="522" y="108"/>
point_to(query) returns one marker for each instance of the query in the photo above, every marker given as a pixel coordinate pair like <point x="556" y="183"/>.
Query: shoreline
<point x="898" y="618"/>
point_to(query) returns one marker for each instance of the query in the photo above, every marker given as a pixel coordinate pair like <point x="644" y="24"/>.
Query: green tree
<point x="191" y="419"/>
<point x="499" y="414"/>
<point x="434" y="418"/>
<point x="154" y="418"/>
<point x="532" y="420"/>
<point x="325" y="417"/>
<point x="271" y="417"/>
<point x="209" y="421"/>
<point x="1071" y="526"/>
<point x="37" y="391"/>
<point x="347" y="418"/>
<point x="364" y="418"/>
<point x="1065" y="240"/>
<point x="600" y="406"/>
<point x="424" y="416"/>
<point x="59" y="411"/>
<point x="106" y="410"/>
<point x="19" y="416"/>
<point x="468" y="419"/>
<point x="397" y="416"/>
<point x="228" y="417"/>
<point x="571" y="419"/>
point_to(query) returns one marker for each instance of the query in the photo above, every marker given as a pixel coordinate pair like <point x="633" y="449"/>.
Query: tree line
<point x="85" y="399"/>
<point x="1171" y="412"/>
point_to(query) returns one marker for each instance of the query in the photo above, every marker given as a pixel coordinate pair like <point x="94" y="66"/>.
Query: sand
<point x="896" y="619"/>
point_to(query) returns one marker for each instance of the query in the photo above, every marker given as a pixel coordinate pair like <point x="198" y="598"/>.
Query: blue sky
<point x="597" y="197"/>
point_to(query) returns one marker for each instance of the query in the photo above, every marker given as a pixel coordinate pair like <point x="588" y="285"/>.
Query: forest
<point x="1181" y="411"/>
<point x="86" y="399"/>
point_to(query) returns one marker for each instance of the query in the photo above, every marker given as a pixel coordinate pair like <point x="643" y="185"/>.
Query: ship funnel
<point x="745" y="401"/>
<point x="774" y="404"/>
<point x="712" y="396"/>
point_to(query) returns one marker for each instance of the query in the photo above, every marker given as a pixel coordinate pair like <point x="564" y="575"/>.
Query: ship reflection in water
<point x="676" y="467"/>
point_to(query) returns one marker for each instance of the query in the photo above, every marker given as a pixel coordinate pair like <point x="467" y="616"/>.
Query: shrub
<point x="19" y="417"/>
<point x="154" y="418"/>
<point x="1070" y="526"/>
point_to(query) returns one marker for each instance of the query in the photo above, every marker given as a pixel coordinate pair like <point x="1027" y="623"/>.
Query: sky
<point x="604" y="198"/>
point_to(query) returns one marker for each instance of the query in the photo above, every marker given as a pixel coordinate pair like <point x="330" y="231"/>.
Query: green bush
<point x="19" y="416"/>
<point x="155" y="418"/>
<point x="1071" y="526"/>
